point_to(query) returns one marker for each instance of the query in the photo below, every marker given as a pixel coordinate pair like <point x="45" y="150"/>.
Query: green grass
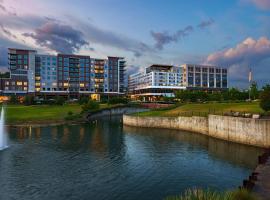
<point x="39" y="113"/>
<point x="16" y="114"/>
<point x="205" y="108"/>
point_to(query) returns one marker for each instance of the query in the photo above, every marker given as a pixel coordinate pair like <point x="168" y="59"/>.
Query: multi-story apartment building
<point x="164" y="80"/>
<point x="63" y="74"/>
<point x="204" y="77"/>
<point x="156" y="81"/>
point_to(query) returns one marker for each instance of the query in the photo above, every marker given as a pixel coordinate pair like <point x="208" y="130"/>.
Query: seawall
<point x="255" y="132"/>
<point x="113" y="111"/>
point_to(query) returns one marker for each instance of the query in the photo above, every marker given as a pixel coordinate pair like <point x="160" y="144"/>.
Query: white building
<point x="163" y="80"/>
<point x="156" y="81"/>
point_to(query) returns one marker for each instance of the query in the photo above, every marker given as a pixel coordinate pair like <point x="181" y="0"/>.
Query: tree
<point x="90" y="106"/>
<point x="254" y="92"/>
<point x="83" y="100"/>
<point x="59" y="100"/>
<point x="265" y="98"/>
<point x="28" y="100"/>
<point x="13" y="99"/>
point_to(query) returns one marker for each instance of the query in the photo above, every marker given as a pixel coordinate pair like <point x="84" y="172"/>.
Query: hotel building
<point x="62" y="74"/>
<point x="163" y="80"/>
<point x="156" y="81"/>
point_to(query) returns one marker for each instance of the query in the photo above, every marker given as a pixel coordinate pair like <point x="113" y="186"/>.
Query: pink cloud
<point x="249" y="51"/>
<point x="262" y="4"/>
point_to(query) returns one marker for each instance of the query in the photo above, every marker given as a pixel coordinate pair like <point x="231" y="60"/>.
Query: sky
<point x="234" y="33"/>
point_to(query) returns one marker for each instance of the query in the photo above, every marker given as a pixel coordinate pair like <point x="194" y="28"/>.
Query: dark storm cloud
<point x="163" y="38"/>
<point x="58" y="37"/>
<point x="205" y="24"/>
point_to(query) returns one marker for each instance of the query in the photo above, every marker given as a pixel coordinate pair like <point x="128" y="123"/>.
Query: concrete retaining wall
<point x="254" y="132"/>
<point x="114" y="111"/>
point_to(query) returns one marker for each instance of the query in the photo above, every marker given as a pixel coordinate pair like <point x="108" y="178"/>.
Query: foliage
<point x="29" y="100"/>
<point x="265" y="98"/>
<point x="70" y="113"/>
<point x="232" y="94"/>
<point x="83" y="100"/>
<point x="13" y="99"/>
<point x="118" y="100"/>
<point x="90" y="106"/>
<point x="254" y="92"/>
<point x="199" y="194"/>
<point x="59" y="100"/>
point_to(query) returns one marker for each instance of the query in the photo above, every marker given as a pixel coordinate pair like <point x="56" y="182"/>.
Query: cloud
<point x="7" y="32"/>
<point x="5" y="10"/>
<point x="58" y="37"/>
<point x="250" y="53"/>
<point x="262" y="4"/>
<point x="108" y="38"/>
<point x="163" y="38"/>
<point x="205" y="24"/>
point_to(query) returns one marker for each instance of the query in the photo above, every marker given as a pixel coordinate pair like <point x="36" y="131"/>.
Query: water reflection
<point x="104" y="160"/>
<point x="237" y="154"/>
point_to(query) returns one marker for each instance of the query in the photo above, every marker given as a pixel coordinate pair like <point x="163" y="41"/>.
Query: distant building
<point x="204" y="77"/>
<point x="156" y="81"/>
<point x="163" y="80"/>
<point x="62" y="74"/>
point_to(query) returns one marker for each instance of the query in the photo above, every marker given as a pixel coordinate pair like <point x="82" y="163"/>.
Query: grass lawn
<point x="20" y="113"/>
<point x="204" y="108"/>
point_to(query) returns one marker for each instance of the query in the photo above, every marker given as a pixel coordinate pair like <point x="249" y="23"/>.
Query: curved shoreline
<point x="255" y="132"/>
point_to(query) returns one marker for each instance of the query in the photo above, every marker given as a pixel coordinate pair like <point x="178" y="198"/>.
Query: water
<point x="105" y="160"/>
<point x="3" y="135"/>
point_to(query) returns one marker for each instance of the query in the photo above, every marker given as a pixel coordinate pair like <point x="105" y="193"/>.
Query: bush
<point x="59" y="100"/>
<point x="118" y="100"/>
<point x="265" y="98"/>
<point x="13" y="99"/>
<point x="90" y="106"/>
<point x="29" y="100"/>
<point x="70" y="113"/>
<point x="83" y="100"/>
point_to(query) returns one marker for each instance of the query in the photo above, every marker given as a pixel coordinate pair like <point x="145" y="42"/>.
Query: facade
<point x="156" y="81"/>
<point x="163" y="80"/>
<point x="204" y="77"/>
<point x="62" y="74"/>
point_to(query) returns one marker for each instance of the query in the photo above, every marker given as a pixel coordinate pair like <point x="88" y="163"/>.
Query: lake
<point x="106" y="160"/>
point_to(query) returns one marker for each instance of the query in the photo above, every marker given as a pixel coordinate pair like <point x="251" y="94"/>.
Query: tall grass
<point x="199" y="194"/>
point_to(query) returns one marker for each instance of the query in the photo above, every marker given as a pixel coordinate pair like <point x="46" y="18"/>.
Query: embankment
<point x="255" y="132"/>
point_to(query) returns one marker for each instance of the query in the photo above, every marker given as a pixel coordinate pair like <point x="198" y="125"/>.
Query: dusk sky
<point x="232" y="33"/>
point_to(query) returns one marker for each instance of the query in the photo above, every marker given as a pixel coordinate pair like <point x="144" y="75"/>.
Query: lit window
<point x="25" y="88"/>
<point x="25" y="83"/>
<point x="19" y="83"/>
<point x="81" y="85"/>
<point x="65" y="84"/>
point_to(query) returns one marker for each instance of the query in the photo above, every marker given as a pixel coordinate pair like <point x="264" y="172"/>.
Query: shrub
<point x="118" y="100"/>
<point x="59" y="100"/>
<point x="70" y="113"/>
<point x="83" y="100"/>
<point x="13" y="99"/>
<point x="265" y="98"/>
<point x="29" y="100"/>
<point x="90" y="106"/>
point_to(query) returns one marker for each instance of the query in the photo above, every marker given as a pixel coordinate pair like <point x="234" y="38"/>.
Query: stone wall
<point x="254" y="132"/>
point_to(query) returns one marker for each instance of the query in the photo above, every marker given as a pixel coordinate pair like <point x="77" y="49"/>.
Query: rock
<point x="255" y="116"/>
